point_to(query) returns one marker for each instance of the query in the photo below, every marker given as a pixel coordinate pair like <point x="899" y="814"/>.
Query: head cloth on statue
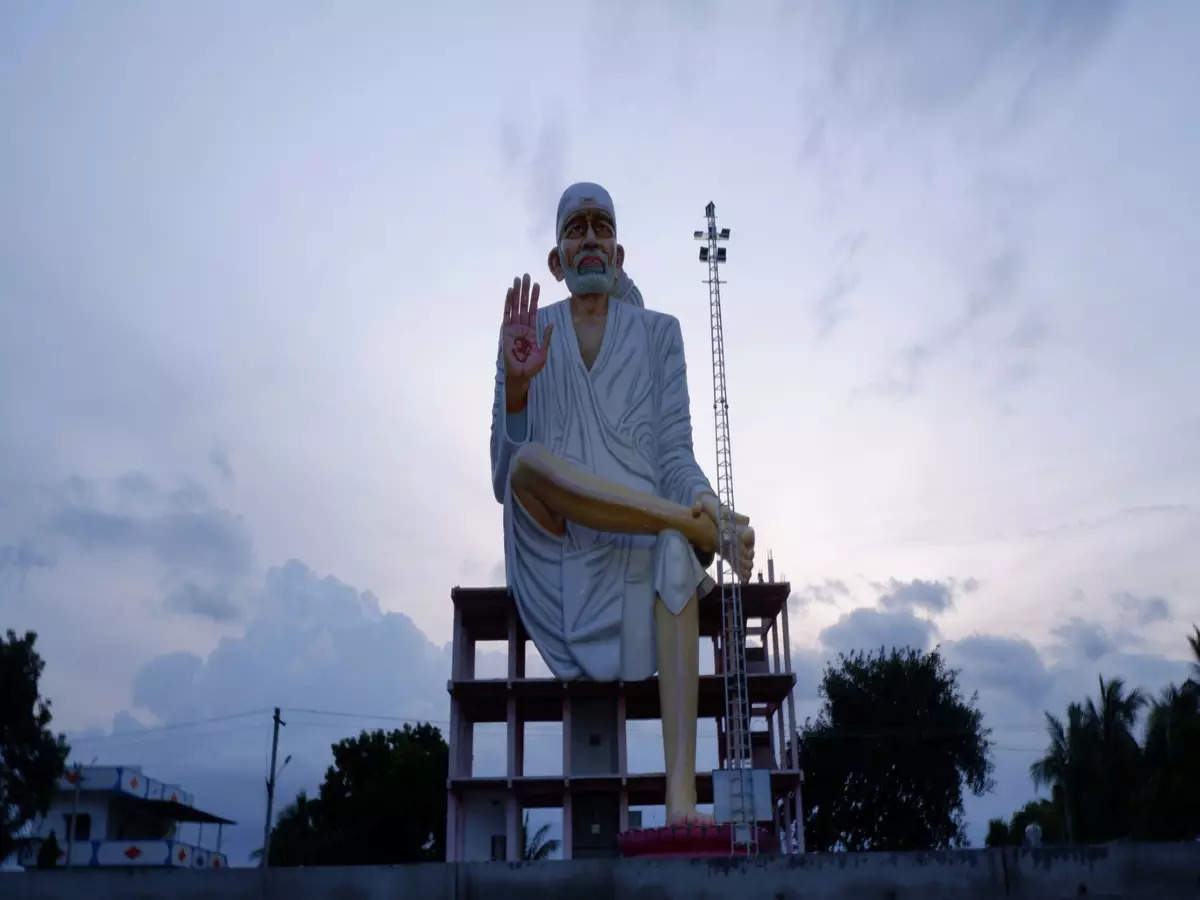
<point x="583" y="195"/>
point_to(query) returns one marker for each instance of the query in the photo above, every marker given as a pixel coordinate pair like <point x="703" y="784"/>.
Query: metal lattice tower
<point x="738" y="757"/>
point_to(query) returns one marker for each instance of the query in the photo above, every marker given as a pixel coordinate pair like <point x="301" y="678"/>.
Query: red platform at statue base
<point x="686" y="840"/>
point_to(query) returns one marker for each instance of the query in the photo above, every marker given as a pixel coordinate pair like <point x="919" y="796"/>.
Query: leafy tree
<point x="383" y="801"/>
<point x="889" y="754"/>
<point x="997" y="834"/>
<point x="537" y="845"/>
<point x="1043" y="813"/>
<point x="32" y="758"/>
<point x="297" y="837"/>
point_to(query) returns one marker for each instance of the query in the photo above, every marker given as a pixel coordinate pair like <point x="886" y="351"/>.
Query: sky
<point x="252" y="268"/>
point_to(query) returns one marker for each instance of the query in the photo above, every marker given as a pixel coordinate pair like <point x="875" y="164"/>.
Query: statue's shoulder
<point x="660" y="323"/>
<point x="648" y="315"/>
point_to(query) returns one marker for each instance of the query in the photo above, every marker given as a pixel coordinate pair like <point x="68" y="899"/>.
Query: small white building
<point x="117" y="816"/>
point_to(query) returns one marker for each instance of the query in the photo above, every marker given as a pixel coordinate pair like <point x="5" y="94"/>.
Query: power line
<point x="175" y="726"/>
<point x="349" y="715"/>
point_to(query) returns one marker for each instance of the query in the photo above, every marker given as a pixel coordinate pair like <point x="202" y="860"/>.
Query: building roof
<point x="168" y="800"/>
<point x="170" y="809"/>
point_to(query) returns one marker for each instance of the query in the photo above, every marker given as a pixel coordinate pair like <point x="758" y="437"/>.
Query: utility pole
<point x="271" y="789"/>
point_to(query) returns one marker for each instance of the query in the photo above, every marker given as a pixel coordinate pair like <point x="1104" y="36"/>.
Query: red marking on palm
<point x="522" y="348"/>
<point x="524" y="357"/>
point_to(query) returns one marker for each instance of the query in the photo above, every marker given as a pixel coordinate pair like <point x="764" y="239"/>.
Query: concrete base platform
<point x="1114" y="872"/>
<point x="689" y="841"/>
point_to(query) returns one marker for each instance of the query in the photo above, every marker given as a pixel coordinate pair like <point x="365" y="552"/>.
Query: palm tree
<point x="1171" y="798"/>
<point x="1119" y="753"/>
<point x="1193" y="683"/>
<point x="1063" y="768"/>
<point x="537" y="846"/>
<point x="1093" y="764"/>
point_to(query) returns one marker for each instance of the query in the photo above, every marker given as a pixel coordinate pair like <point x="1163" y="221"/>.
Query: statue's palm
<point x="524" y="357"/>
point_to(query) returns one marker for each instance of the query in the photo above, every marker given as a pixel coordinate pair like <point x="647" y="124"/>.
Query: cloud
<point x="124" y="723"/>
<point x="218" y="458"/>
<point x="928" y="60"/>
<point x="1003" y="663"/>
<point x="24" y="557"/>
<point x="870" y="629"/>
<point x="1029" y="333"/>
<point x="213" y="539"/>
<point x="136" y="486"/>
<point x="1145" y="610"/>
<point x="831" y="306"/>
<point x="180" y="528"/>
<point x="826" y="593"/>
<point x="991" y="286"/>
<point x="808" y="665"/>
<point x="1088" y="639"/>
<point x="934" y="596"/>
<point x="192" y="599"/>
<point x="312" y="642"/>
<point x="539" y="167"/>
<point x="166" y="686"/>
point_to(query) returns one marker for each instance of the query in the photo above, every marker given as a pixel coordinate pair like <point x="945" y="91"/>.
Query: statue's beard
<point x="589" y="279"/>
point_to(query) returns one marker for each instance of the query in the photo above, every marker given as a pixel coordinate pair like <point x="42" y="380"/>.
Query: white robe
<point x="587" y="598"/>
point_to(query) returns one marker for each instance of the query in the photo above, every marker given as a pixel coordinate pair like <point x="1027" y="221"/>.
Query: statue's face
<point x="588" y="254"/>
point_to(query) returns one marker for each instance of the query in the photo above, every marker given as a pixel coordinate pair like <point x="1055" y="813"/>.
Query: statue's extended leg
<point x="678" y="684"/>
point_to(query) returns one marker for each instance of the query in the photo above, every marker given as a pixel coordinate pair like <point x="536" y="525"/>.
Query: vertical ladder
<point x="738" y="758"/>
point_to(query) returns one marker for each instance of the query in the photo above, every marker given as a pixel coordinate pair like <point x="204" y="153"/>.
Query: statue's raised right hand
<point x="523" y="356"/>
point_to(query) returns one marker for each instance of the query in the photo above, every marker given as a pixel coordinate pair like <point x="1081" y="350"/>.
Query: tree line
<point x="887" y="761"/>
<point x="382" y="802"/>
<point x="1107" y="785"/>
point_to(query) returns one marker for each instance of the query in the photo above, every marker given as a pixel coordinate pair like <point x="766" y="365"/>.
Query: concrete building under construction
<point x="596" y="790"/>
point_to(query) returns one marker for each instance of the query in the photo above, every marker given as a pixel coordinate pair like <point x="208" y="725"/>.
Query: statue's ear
<point x="620" y="257"/>
<point x="554" y="261"/>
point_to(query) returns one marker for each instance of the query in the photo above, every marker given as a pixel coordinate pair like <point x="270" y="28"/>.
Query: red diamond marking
<point x="133" y="852"/>
<point x="133" y="782"/>
<point x="182" y="854"/>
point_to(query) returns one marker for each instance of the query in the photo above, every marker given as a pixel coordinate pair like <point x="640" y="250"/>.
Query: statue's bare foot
<point x="681" y="810"/>
<point x="689" y="817"/>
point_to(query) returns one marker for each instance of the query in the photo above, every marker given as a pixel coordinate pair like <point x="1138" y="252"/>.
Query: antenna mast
<point x="738" y="760"/>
